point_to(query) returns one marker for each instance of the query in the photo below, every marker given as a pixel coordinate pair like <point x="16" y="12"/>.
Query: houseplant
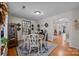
<point x="4" y="40"/>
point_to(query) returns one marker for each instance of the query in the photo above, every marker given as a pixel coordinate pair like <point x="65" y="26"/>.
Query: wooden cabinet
<point x="12" y="35"/>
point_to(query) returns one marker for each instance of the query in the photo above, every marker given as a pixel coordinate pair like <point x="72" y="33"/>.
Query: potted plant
<point x="4" y="40"/>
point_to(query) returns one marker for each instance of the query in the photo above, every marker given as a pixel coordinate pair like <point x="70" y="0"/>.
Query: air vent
<point x="23" y="6"/>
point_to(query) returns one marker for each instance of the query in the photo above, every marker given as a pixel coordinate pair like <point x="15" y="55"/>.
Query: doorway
<point x="61" y="30"/>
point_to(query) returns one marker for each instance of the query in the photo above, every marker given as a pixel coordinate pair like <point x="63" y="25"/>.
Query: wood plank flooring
<point x="12" y="51"/>
<point x="63" y="49"/>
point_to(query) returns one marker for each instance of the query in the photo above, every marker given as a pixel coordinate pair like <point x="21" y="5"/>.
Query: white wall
<point x="13" y="19"/>
<point x="74" y="36"/>
<point x="73" y="33"/>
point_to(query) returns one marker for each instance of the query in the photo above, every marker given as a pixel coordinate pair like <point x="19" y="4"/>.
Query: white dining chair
<point x="26" y="39"/>
<point x="34" y="43"/>
<point x="45" y="41"/>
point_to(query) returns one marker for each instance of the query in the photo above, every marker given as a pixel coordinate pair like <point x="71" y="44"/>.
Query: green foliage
<point x="4" y="40"/>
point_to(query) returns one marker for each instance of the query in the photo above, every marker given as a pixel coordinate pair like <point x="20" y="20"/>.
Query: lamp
<point x="37" y="12"/>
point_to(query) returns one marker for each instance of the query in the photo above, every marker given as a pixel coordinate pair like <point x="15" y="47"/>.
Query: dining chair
<point x="34" y="43"/>
<point x="26" y="39"/>
<point x="45" y="40"/>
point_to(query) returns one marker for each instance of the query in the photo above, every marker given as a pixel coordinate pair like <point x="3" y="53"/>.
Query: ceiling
<point x="47" y="9"/>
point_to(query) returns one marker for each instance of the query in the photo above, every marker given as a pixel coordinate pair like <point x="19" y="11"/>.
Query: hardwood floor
<point x="12" y="51"/>
<point x="63" y="49"/>
<point x="60" y="50"/>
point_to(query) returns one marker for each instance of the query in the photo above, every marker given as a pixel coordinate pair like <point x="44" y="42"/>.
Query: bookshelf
<point x="12" y="35"/>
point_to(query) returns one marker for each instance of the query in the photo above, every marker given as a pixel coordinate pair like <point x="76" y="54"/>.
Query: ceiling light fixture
<point x="37" y="12"/>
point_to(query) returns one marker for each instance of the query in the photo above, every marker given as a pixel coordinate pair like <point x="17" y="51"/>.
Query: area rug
<point x="23" y="51"/>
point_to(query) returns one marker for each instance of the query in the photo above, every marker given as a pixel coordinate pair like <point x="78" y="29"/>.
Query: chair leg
<point x="24" y="45"/>
<point x="38" y="50"/>
<point x="30" y="51"/>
